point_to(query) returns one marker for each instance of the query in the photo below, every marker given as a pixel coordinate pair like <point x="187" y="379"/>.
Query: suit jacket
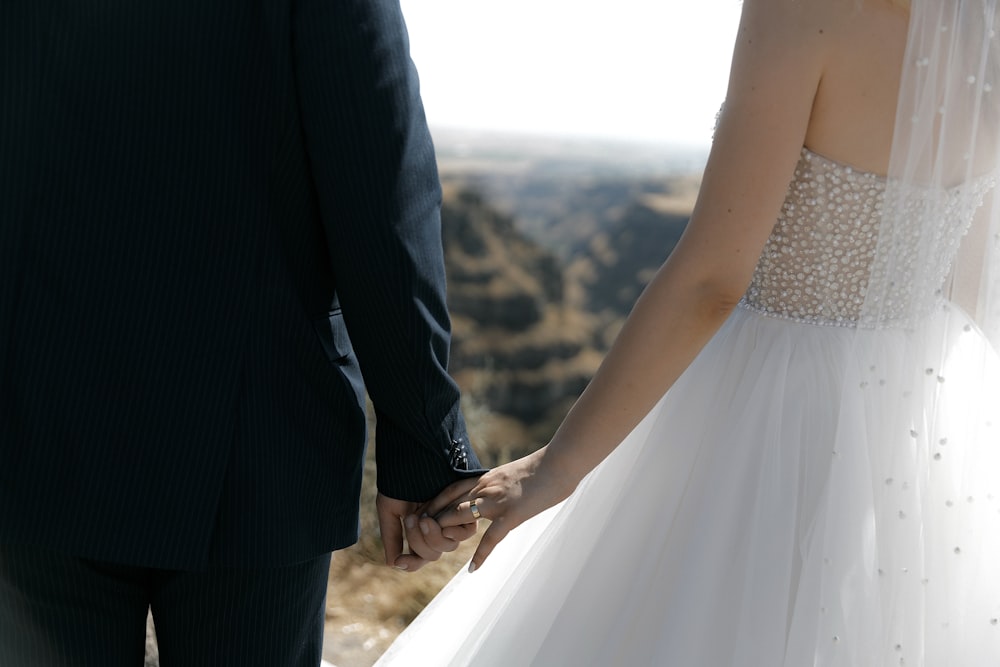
<point x="215" y="216"/>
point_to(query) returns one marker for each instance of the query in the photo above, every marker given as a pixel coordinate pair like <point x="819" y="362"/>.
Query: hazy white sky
<point x="653" y="70"/>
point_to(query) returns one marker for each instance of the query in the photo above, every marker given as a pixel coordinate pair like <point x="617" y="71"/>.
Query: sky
<point x="645" y="70"/>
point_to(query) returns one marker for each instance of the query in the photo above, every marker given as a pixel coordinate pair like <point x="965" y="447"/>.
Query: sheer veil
<point x="930" y="316"/>
<point x="944" y="165"/>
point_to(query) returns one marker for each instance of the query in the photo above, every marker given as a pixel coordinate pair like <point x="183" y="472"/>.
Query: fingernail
<point x="401" y="567"/>
<point x="423" y="528"/>
<point x="410" y="522"/>
<point x="472" y="568"/>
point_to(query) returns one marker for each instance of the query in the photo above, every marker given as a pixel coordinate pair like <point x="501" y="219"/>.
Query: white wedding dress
<point x="810" y="492"/>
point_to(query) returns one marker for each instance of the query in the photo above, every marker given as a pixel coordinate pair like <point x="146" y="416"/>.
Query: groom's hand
<point x="399" y="520"/>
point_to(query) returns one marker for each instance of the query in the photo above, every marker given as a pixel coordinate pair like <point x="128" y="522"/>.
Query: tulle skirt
<point x="803" y="495"/>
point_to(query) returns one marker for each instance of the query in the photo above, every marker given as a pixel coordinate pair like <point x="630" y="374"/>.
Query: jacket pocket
<point x="333" y="337"/>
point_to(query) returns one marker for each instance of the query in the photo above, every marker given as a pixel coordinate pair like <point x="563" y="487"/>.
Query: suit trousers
<point x="62" y="611"/>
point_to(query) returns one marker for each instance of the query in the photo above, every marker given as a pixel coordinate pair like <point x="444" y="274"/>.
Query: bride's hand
<point x="507" y="495"/>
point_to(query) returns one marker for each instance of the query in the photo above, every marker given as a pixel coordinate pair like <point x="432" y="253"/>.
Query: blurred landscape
<point x="548" y="242"/>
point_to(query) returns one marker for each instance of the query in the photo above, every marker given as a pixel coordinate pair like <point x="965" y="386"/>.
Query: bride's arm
<point x="777" y="65"/>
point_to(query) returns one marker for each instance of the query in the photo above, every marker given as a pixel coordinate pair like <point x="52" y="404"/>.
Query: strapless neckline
<point x="984" y="180"/>
<point x="843" y="166"/>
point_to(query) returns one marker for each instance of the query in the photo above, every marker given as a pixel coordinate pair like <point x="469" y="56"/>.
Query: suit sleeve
<point x="376" y="178"/>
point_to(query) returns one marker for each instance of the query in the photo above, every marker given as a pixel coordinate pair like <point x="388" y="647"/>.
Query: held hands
<point x="508" y="496"/>
<point x="425" y="538"/>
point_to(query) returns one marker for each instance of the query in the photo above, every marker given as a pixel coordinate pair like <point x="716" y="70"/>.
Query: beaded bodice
<point x="824" y="250"/>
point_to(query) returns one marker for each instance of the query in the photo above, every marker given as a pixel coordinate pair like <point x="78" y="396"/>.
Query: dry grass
<point x="679" y="198"/>
<point x="369" y="604"/>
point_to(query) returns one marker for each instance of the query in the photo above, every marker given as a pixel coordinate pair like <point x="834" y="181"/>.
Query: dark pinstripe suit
<point x="199" y="200"/>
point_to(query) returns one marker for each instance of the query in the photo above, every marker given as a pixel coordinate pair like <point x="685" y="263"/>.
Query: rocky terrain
<point x="545" y="258"/>
<point x="520" y="348"/>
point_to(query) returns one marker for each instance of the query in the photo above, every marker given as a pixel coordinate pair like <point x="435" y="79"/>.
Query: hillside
<point x="520" y="349"/>
<point x="545" y="256"/>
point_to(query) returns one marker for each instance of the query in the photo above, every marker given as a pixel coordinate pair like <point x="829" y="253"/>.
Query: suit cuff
<point x="417" y="471"/>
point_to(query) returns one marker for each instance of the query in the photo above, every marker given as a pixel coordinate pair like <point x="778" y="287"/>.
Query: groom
<point x="215" y="215"/>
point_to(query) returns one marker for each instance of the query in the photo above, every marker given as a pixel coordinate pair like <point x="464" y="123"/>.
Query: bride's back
<point x="854" y="108"/>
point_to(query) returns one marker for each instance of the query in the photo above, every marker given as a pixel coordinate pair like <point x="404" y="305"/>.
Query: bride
<point x="791" y="454"/>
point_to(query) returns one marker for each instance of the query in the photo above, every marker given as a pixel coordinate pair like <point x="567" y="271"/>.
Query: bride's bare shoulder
<point x="793" y="14"/>
<point x="786" y="56"/>
<point x="814" y="20"/>
<point x="783" y="30"/>
<point x="789" y="38"/>
<point x="854" y="112"/>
